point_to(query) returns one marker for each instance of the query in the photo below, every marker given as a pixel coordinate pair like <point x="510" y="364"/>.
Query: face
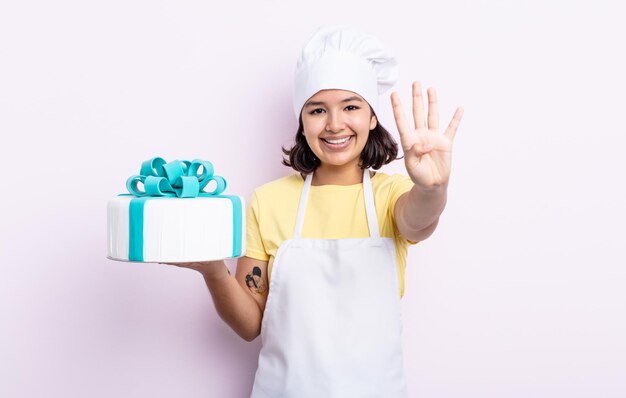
<point x="336" y="126"/>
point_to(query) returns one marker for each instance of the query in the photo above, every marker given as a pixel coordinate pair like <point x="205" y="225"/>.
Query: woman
<point x="330" y="240"/>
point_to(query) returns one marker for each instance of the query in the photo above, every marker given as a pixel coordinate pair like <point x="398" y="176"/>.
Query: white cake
<point x="176" y="229"/>
<point x="173" y="219"/>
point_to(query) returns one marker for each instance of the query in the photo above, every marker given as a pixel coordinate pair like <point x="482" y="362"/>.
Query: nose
<point x="334" y="122"/>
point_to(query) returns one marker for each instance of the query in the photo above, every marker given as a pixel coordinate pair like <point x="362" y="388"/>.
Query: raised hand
<point x="427" y="152"/>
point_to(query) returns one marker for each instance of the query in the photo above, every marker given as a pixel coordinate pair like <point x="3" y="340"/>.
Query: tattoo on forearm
<point x="255" y="282"/>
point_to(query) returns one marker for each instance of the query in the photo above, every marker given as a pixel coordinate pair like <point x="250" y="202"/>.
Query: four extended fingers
<point x="419" y="113"/>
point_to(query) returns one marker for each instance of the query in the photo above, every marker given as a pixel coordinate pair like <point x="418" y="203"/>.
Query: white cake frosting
<point x="179" y="229"/>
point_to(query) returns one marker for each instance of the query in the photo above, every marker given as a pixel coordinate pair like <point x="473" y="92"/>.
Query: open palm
<point x="427" y="152"/>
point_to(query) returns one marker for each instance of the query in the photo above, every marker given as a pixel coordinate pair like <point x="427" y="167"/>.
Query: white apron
<point x="332" y="323"/>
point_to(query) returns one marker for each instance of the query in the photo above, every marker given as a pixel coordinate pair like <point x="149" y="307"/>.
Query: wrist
<point x="431" y="193"/>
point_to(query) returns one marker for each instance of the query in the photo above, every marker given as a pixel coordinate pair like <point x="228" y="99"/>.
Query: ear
<point x="373" y="122"/>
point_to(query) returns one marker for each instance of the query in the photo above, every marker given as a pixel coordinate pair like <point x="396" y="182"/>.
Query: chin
<point x="339" y="162"/>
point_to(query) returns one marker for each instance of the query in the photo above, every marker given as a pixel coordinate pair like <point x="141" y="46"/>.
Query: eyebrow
<point x="353" y="98"/>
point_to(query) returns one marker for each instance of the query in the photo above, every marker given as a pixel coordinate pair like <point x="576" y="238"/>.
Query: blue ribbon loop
<point x="179" y="178"/>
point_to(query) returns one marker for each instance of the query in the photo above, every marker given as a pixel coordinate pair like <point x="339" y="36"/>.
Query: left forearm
<point x="421" y="208"/>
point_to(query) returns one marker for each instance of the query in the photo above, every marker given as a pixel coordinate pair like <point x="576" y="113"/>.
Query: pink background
<point x="520" y="291"/>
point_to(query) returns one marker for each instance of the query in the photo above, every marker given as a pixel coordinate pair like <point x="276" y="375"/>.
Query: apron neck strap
<point x="370" y="208"/>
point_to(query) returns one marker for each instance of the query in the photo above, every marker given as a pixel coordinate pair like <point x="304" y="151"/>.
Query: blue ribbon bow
<point x="179" y="178"/>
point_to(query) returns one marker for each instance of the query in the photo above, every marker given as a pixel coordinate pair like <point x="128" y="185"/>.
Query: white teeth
<point x="341" y="141"/>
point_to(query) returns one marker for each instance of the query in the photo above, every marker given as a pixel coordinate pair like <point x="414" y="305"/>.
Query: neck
<point x="337" y="175"/>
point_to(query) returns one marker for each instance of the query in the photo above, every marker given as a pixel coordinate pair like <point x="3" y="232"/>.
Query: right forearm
<point x="234" y="305"/>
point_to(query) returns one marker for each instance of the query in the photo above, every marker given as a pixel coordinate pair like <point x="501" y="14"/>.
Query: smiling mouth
<point x="338" y="141"/>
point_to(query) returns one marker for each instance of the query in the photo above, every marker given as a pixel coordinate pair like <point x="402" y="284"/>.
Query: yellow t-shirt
<point x="333" y="212"/>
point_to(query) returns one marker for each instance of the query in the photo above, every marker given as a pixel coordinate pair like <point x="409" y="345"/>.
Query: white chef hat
<point x="342" y="57"/>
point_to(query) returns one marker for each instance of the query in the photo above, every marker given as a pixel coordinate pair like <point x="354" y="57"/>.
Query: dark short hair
<point x="379" y="150"/>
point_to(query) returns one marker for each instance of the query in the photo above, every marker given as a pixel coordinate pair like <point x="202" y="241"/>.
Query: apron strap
<point x="302" y="206"/>
<point x="370" y="207"/>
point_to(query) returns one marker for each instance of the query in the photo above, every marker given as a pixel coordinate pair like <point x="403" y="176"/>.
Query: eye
<point x="352" y="106"/>
<point x="315" y="111"/>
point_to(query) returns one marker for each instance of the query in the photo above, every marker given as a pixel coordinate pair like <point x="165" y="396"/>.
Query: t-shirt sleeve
<point x="400" y="185"/>
<point x="254" y="243"/>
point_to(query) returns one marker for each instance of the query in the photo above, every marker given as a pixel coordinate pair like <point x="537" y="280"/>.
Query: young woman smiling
<point x="323" y="274"/>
